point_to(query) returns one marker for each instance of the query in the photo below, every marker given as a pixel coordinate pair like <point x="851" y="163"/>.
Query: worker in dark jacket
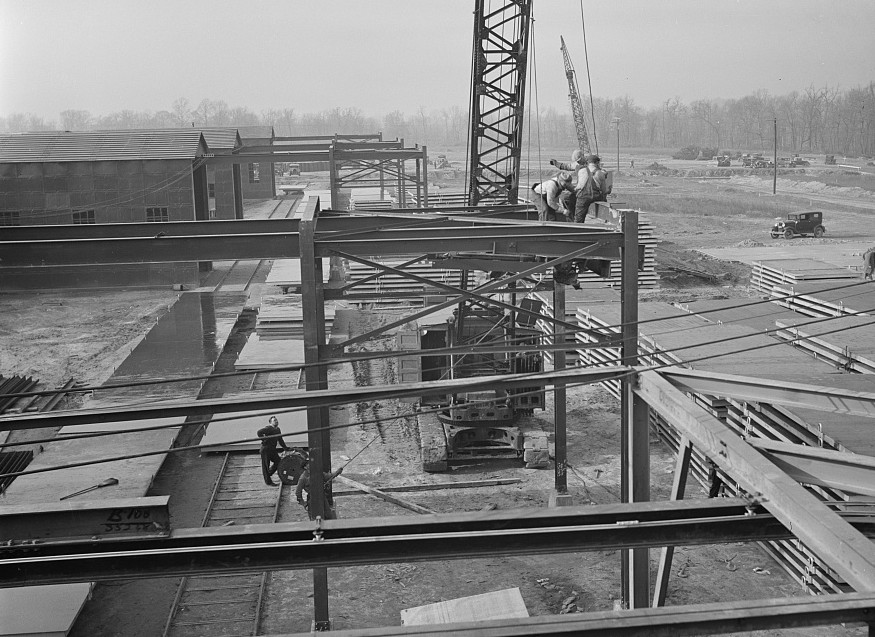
<point x="271" y="436"/>
<point x="868" y="263"/>
<point x="304" y="485"/>
<point x="591" y="187"/>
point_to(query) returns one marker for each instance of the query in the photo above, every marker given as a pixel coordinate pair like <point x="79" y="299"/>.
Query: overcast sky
<point x="382" y="55"/>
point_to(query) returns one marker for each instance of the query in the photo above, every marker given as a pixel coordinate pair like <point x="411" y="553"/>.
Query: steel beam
<point x="678" y="621"/>
<point x="678" y="487"/>
<point x="835" y="541"/>
<point x="848" y="472"/>
<point x="341" y="543"/>
<point x="291" y="401"/>
<point x="86" y="519"/>
<point x="831" y="399"/>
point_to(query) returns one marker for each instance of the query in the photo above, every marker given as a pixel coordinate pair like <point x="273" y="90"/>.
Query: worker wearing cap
<point x="548" y="197"/>
<point x="271" y="436"/>
<point x="591" y="180"/>
<point x="577" y="162"/>
<point x="304" y="485"/>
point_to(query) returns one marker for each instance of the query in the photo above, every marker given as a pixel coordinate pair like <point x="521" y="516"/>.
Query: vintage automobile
<point x="800" y="223"/>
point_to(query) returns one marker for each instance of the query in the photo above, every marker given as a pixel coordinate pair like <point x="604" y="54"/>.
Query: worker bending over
<point x="551" y="197"/>
<point x="304" y="485"/>
<point x="868" y="263"/>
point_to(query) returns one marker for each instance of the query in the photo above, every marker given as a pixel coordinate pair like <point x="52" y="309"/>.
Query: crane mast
<point x="576" y="104"/>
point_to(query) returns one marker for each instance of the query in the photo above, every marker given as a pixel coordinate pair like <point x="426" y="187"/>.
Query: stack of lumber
<point x="286" y="273"/>
<point x="270" y="354"/>
<point x="767" y="274"/>
<point x="852" y="349"/>
<point x="279" y="319"/>
<point x="827" y="299"/>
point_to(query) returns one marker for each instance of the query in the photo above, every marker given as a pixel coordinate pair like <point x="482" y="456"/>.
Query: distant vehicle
<point x="801" y="223"/>
<point x="723" y="161"/>
<point x="830" y="160"/>
<point x="761" y="162"/>
<point x="442" y="162"/>
<point x="796" y="161"/>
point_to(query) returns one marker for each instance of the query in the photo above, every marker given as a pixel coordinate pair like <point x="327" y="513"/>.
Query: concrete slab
<point x="844" y="255"/>
<point x="270" y="354"/>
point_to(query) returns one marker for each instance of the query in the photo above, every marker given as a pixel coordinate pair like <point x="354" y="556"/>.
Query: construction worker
<point x="577" y="162"/>
<point x="591" y="187"/>
<point x="548" y="197"/>
<point x="271" y="436"/>
<point x="868" y="263"/>
<point x="304" y="485"/>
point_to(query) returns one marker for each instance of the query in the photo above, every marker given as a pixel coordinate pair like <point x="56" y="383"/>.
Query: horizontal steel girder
<point x="832" y="399"/>
<point x="672" y="621"/>
<point x="337" y="543"/>
<point x="233" y="240"/>
<point x="848" y="472"/>
<point x="340" y="154"/>
<point x="835" y="541"/>
<point x="302" y="399"/>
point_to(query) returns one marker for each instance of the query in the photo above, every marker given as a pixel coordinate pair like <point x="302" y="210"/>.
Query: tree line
<point x="815" y="120"/>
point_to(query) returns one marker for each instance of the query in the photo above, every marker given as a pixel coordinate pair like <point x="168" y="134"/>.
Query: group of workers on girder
<point x="558" y="200"/>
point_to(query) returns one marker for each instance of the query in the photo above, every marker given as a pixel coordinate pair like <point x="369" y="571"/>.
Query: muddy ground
<point x="85" y="335"/>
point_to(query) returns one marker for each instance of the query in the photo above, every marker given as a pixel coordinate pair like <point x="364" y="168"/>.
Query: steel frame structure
<point x="838" y="542"/>
<point x="500" y="60"/>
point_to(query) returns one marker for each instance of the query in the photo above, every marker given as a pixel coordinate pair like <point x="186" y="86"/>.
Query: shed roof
<point x="256" y="132"/>
<point x="222" y="138"/>
<point x="115" y="145"/>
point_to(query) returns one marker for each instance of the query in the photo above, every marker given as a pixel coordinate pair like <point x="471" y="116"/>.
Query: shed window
<point x="10" y="218"/>
<point x="157" y="215"/>
<point x="254" y="176"/>
<point x="211" y="191"/>
<point x="84" y="216"/>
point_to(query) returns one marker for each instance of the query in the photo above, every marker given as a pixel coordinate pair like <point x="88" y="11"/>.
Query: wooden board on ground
<point x="222" y="435"/>
<point x="47" y="611"/>
<point x="503" y="604"/>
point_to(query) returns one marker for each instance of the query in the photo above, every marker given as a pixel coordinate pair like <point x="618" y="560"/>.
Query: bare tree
<point x="75" y="120"/>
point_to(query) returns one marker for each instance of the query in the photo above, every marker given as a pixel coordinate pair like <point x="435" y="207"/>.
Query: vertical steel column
<point x="559" y="403"/>
<point x="679" y="485"/>
<point x="635" y="452"/>
<point x="424" y="202"/>
<point x="418" y="182"/>
<point x="401" y="190"/>
<point x="316" y="377"/>
<point x="333" y="177"/>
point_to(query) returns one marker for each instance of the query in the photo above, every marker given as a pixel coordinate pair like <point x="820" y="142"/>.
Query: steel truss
<point x="500" y="58"/>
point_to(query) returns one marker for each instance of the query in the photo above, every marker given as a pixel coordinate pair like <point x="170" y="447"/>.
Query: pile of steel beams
<point x="10" y="385"/>
<point x="279" y="319"/>
<point x="376" y="281"/>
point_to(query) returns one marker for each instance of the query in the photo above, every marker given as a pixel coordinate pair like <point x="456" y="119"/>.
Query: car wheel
<point x="818" y="232"/>
<point x="788" y="234"/>
<point x="774" y="235"/>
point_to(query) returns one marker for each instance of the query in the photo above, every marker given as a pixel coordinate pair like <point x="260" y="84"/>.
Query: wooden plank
<point x="845" y="549"/>
<point x="503" y="604"/>
<point x="436" y="486"/>
<point x="384" y="496"/>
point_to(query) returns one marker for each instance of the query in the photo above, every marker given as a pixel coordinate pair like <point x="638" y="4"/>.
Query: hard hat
<point x="577" y="155"/>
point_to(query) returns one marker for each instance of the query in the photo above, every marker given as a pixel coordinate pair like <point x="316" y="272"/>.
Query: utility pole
<point x="775" y="161"/>
<point x="616" y="122"/>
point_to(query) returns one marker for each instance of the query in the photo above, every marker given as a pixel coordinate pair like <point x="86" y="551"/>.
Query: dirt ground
<point x="86" y="335"/>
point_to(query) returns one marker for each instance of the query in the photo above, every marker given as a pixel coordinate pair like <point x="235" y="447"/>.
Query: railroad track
<point x="229" y="605"/>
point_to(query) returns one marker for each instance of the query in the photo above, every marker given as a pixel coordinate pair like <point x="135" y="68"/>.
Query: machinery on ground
<point x="801" y="223"/>
<point x="796" y="161"/>
<point x="723" y="161"/>
<point x="830" y="160"/>
<point x="477" y="425"/>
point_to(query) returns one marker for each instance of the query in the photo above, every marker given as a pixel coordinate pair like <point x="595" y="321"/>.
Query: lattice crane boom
<point x="576" y="105"/>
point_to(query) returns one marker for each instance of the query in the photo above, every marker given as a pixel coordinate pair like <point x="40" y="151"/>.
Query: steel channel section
<point x="316" y="378"/>
<point x="335" y="543"/>
<point x="835" y="541"/>
<point x="680" y="621"/>
<point x="635" y="435"/>
<point x="560" y="416"/>
<point x="301" y="400"/>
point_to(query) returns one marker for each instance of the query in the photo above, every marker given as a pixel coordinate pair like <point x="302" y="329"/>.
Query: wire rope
<point x="588" y="79"/>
